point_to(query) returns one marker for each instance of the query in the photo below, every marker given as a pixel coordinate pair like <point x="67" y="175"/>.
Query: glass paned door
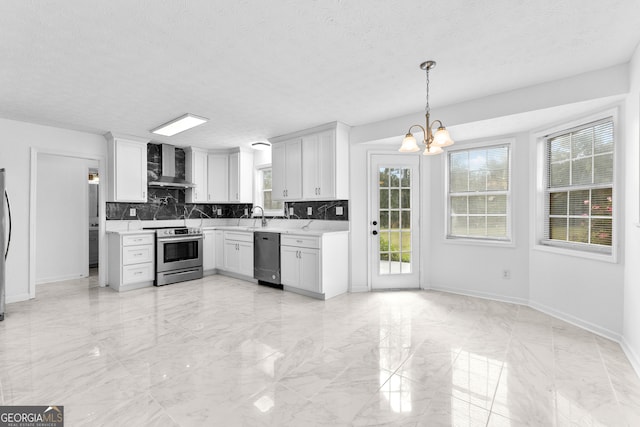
<point x="394" y="228"/>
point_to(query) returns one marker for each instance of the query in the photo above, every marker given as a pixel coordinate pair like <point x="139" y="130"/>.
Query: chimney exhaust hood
<point x="167" y="177"/>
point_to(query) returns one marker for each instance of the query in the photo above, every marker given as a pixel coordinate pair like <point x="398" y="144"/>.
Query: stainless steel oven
<point x="178" y="255"/>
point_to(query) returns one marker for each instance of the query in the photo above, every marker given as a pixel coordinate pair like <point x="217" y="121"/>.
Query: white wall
<point x="61" y="217"/>
<point x="16" y="140"/>
<point x="631" y="320"/>
<point x="483" y="264"/>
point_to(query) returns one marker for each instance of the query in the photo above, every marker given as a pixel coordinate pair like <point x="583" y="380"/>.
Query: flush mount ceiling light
<point x="433" y="141"/>
<point x="178" y="125"/>
<point x="260" y="145"/>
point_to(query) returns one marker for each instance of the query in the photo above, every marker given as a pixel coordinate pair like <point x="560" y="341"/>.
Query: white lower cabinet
<point x="315" y="266"/>
<point x="219" y="249"/>
<point x="208" y="251"/>
<point x="238" y="252"/>
<point x="300" y="268"/>
<point x="131" y="260"/>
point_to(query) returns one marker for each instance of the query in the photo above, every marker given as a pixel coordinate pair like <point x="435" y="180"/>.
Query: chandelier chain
<point x="427" y="109"/>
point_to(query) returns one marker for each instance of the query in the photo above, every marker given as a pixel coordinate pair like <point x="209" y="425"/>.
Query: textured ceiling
<point x="259" y="69"/>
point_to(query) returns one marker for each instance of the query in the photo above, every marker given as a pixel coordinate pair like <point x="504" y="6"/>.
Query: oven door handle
<point x="178" y="239"/>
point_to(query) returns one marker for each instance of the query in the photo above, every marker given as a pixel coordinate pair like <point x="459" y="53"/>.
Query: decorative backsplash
<point x="166" y="204"/>
<point x="324" y="210"/>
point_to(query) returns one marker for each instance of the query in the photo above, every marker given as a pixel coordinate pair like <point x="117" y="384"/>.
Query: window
<point x="479" y="192"/>
<point x="579" y="172"/>
<point x="263" y="190"/>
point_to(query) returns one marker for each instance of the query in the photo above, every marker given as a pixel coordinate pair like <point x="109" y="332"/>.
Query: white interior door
<point x="394" y="228"/>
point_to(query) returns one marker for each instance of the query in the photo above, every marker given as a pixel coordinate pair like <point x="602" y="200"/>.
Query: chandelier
<point x="433" y="141"/>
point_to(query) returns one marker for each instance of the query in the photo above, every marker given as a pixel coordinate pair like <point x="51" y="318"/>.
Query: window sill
<point x="480" y="242"/>
<point x="577" y="253"/>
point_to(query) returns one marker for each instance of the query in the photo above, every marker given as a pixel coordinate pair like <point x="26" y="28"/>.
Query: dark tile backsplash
<point x="324" y="210"/>
<point x="166" y="204"/>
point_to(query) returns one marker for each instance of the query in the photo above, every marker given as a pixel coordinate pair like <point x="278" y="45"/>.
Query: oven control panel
<point x="168" y="232"/>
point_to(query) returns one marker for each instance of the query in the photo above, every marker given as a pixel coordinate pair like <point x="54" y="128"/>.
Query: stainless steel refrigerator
<point x="5" y="238"/>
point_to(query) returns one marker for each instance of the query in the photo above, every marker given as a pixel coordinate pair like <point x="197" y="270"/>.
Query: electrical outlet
<point x="506" y="274"/>
<point x="339" y="210"/>
<point x="132" y="211"/>
<point x="291" y="212"/>
<point x="309" y="210"/>
<point x="219" y="212"/>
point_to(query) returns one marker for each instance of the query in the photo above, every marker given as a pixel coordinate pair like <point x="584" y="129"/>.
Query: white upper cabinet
<point x="127" y="158"/>
<point x="241" y="176"/>
<point x="196" y="172"/>
<point x="322" y="167"/>
<point x="319" y="165"/>
<point x="218" y="178"/>
<point x="286" y="167"/>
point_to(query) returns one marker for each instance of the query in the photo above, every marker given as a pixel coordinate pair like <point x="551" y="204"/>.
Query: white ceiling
<point x="258" y="69"/>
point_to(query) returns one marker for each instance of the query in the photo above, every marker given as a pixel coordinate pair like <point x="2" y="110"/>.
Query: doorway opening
<point x="94" y="222"/>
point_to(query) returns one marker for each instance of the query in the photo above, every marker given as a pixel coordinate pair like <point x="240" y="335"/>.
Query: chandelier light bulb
<point x="409" y="144"/>
<point x="442" y="138"/>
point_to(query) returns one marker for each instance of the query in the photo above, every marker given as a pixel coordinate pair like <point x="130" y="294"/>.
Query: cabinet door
<point x="234" y="177"/>
<point x="246" y="258"/>
<point x="326" y="164"/>
<point x="293" y="175"/>
<point x="199" y="176"/>
<point x="278" y="171"/>
<point x="218" y="178"/>
<point x="131" y="171"/>
<point x="289" y="266"/>
<point x="219" y="249"/>
<point x="209" y="250"/>
<point x="231" y="256"/>
<point x="310" y="270"/>
<point x="310" y="166"/>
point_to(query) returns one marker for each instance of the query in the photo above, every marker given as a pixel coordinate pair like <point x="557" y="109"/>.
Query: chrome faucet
<point x="264" y="220"/>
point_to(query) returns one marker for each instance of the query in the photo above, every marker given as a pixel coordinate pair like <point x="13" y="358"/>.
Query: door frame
<point x="420" y="204"/>
<point x="102" y="242"/>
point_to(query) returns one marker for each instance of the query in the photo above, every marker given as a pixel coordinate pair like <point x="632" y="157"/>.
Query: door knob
<point x="375" y="232"/>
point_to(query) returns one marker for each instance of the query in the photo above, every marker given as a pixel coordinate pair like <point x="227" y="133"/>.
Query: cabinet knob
<point x="374" y="232"/>
<point x="375" y="223"/>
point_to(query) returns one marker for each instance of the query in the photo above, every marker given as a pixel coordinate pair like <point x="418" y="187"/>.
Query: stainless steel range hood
<point x="167" y="177"/>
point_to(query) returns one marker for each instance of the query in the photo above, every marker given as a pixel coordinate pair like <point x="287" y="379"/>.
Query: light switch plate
<point x="246" y="212"/>
<point x="291" y="212"/>
<point x="309" y="210"/>
<point x="219" y="212"/>
<point x="339" y="210"/>
<point x="132" y="211"/>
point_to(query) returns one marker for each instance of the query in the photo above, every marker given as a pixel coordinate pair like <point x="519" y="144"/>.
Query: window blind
<point x="579" y="186"/>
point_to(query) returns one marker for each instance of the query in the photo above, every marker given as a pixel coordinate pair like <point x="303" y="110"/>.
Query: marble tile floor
<point x="221" y="351"/>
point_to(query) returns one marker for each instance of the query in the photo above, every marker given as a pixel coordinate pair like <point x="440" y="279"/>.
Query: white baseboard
<point x="576" y="321"/>
<point x="631" y="355"/>
<point x="591" y="327"/>
<point x="17" y="298"/>
<point x="362" y="288"/>
<point x="472" y="293"/>
<point x="59" y="278"/>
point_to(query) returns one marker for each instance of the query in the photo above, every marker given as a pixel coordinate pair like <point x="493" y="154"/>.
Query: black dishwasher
<point x="266" y="257"/>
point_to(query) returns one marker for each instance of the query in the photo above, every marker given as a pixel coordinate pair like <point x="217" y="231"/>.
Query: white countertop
<point x="125" y="232"/>
<point x="292" y="231"/>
